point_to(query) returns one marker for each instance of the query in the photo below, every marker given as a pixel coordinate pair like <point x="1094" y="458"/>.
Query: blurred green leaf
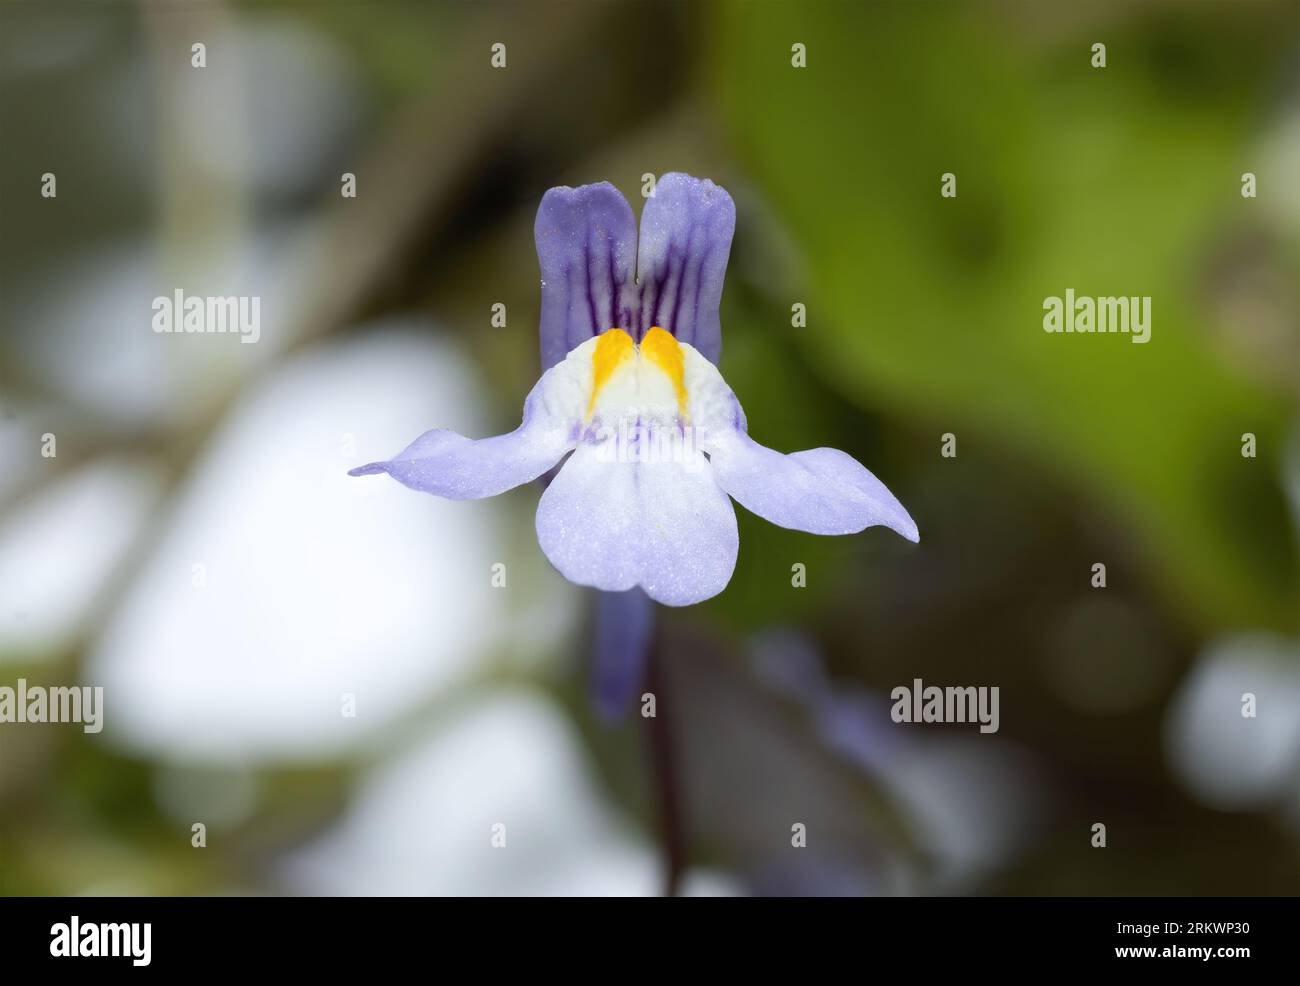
<point x="1108" y="181"/>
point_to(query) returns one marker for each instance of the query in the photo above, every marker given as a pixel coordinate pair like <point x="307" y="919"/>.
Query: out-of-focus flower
<point x="1232" y="732"/>
<point x="658" y="439"/>
<point x="971" y="802"/>
<point x="498" y="799"/>
<point x="57" y="550"/>
<point x="248" y="637"/>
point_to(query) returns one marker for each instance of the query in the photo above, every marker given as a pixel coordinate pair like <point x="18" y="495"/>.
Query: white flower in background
<point x="1230" y="760"/>
<point x="57" y="549"/>
<point x="1232" y="733"/>
<point x="285" y="614"/>
<point x="506" y="768"/>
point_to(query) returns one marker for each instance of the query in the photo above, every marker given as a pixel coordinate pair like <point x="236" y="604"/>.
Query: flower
<point x="630" y="388"/>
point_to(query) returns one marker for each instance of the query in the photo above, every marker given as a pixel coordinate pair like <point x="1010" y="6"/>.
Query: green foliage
<point x="1109" y="181"/>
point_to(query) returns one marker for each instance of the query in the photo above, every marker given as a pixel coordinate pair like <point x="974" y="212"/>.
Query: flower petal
<point x="686" y="230"/>
<point x="664" y="526"/>
<point x="447" y="464"/>
<point x="586" y="248"/>
<point x="822" y="490"/>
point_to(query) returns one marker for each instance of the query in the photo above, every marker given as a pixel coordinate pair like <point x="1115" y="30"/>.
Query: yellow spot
<point x="661" y="349"/>
<point x="612" y="348"/>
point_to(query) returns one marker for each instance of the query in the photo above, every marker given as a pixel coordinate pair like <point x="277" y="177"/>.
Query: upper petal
<point x="665" y="526"/>
<point x="686" y="230"/>
<point x="586" y="248"/>
<point x="447" y="464"/>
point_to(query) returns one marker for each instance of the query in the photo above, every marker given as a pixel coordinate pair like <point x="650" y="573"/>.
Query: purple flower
<point x="629" y="339"/>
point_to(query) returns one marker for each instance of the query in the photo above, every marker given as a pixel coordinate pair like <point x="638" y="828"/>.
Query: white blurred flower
<point x="1232" y="761"/>
<point x="58" y="547"/>
<point x="89" y="325"/>
<point x="424" y="823"/>
<point x="282" y="587"/>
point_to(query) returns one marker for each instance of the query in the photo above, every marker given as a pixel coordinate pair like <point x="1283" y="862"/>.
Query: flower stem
<point x="663" y="771"/>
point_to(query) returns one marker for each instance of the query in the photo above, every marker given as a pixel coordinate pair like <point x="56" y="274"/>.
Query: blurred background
<point x="196" y="549"/>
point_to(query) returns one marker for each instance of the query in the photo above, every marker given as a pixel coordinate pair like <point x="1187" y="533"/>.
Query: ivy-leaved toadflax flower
<point x="657" y="445"/>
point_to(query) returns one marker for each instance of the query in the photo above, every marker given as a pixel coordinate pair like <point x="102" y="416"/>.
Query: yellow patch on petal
<point x="613" y="347"/>
<point x="662" y="349"/>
